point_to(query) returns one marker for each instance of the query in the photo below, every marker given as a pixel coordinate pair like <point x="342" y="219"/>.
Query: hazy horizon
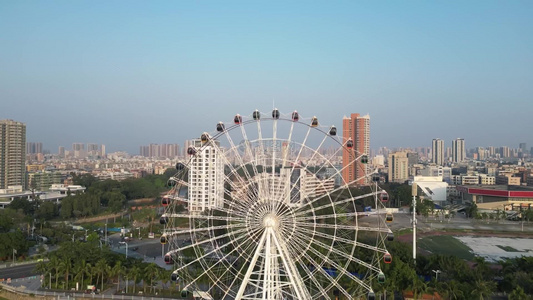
<point x="127" y="74"/>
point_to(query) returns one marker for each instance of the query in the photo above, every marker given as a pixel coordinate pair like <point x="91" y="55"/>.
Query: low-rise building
<point x="498" y="196"/>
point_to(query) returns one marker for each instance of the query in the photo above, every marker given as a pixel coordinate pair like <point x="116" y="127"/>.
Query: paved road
<point x="19" y="271"/>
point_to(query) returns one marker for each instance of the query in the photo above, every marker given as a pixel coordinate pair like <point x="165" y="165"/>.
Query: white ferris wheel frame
<point x="274" y="238"/>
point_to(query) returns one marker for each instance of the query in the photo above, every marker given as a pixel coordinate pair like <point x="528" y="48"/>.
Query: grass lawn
<point x="447" y="245"/>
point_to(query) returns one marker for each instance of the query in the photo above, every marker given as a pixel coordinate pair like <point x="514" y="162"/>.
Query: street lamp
<point x="436" y="274"/>
<point x="124" y="243"/>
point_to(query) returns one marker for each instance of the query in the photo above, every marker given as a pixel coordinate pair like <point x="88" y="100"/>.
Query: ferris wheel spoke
<point x="193" y="230"/>
<point x="319" y="268"/>
<point x="347" y="227"/>
<point x="202" y="217"/>
<point x="336" y="203"/>
<point x="202" y="257"/>
<point x="234" y="171"/>
<point x="206" y="241"/>
<point x="230" y="267"/>
<point x="234" y="281"/>
<point x="339" y="268"/>
<point x="347" y="256"/>
<point x="331" y="216"/>
<point x="344" y="240"/>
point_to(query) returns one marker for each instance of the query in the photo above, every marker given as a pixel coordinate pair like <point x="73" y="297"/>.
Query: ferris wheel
<point x="262" y="209"/>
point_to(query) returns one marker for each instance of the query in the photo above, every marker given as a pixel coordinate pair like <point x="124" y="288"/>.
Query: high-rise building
<point x="206" y="177"/>
<point x="157" y="150"/>
<point x="523" y="148"/>
<point x="12" y="153"/>
<point x="398" y="167"/>
<point x="505" y="151"/>
<point x="437" y="152"/>
<point x="356" y="128"/>
<point x="79" y="150"/>
<point x="61" y="151"/>
<point x="458" y="150"/>
<point x="481" y="153"/>
<point x="34" y="148"/>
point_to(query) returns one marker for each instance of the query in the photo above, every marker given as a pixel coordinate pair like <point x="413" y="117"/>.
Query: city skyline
<point x="164" y="72"/>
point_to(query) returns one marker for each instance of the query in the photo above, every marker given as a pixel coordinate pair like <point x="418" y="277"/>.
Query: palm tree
<point x="78" y="271"/>
<point x="451" y="290"/>
<point x="54" y="263"/>
<point x="66" y="266"/>
<point x="89" y="272"/>
<point x="419" y="287"/>
<point x="100" y="270"/>
<point x="151" y="272"/>
<point x="483" y="289"/>
<point x="134" y="274"/>
<point x="117" y="271"/>
<point x="43" y="269"/>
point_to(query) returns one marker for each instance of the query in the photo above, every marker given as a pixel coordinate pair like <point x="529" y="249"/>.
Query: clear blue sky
<point x="126" y="73"/>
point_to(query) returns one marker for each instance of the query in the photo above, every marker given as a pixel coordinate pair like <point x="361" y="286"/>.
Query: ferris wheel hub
<point x="270" y="221"/>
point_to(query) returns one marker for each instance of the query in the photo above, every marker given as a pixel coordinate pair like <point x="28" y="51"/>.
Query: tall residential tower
<point x="437" y="152"/>
<point x="12" y="153"/>
<point x="356" y="128"/>
<point x="458" y="150"/>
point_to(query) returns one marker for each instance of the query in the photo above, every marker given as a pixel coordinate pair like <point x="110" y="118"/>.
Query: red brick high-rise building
<point x="356" y="128"/>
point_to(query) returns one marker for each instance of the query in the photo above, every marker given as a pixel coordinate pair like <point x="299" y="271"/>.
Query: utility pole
<point x="414" y="192"/>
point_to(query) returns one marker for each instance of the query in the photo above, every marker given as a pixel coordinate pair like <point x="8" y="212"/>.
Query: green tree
<point x="483" y="289"/>
<point x="151" y="271"/>
<point x="65" y="266"/>
<point x="134" y="274"/>
<point x="100" y="271"/>
<point x="118" y="271"/>
<point x="419" y="287"/>
<point x="518" y="294"/>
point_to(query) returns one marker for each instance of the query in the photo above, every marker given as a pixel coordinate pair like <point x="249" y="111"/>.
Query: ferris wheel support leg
<point x="246" y="278"/>
<point x="292" y="272"/>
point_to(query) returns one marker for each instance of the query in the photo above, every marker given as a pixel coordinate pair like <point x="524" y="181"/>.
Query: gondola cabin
<point x="163" y="220"/>
<point x="349" y="144"/>
<point x="388" y="217"/>
<point x="168" y="259"/>
<point x="295" y="116"/>
<point x="163" y="239"/>
<point x="220" y="127"/>
<point x="237" y="120"/>
<point x="384" y="196"/>
<point x="364" y="159"/>
<point x="184" y="293"/>
<point x="256" y="115"/>
<point x="180" y="166"/>
<point x="387" y="258"/>
<point x="333" y="131"/>
<point x="204" y="138"/>
<point x="171" y="182"/>
<point x="390" y="236"/>
<point x="174" y="277"/>
<point x="381" y="277"/>
<point x="376" y="178"/>
<point x="314" y="122"/>
<point x="275" y="114"/>
<point x="191" y="151"/>
<point x="371" y="296"/>
<point x="165" y="201"/>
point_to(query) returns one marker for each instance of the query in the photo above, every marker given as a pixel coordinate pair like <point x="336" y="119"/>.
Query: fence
<point x="71" y="295"/>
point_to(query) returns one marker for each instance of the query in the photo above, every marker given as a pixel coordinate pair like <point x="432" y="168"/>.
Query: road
<point x="20" y="271"/>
